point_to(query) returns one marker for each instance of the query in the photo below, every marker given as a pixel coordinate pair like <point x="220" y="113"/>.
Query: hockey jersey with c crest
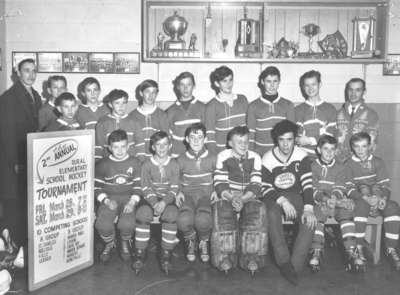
<point x="294" y="175"/>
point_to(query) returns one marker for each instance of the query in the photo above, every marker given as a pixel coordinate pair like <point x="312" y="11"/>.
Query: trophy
<point x="310" y="31"/>
<point x="175" y="26"/>
<point x="363" y="37"/>
<point x="248" y="42"/>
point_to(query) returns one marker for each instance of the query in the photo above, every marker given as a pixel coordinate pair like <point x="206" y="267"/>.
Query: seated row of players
<point x="203" y="195"/>
<point x="225" y="111"/>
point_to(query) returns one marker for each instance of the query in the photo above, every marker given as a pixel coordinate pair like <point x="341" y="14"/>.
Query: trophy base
<point x="362" y="54"/>
<point x="316" y="55"/>
<point x="174" y="45"/>
<point x="248" y="50"/>
<point x="185" y="53"/>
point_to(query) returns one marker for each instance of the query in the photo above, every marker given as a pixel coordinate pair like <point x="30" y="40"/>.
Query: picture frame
<point x="391" y="67"/>
<point x="50" y="62"/>
<point x="75" y="62"/>
<point x="18" y="56"/>
<point x="101" y="62"/>
<point x="127" y="62"/>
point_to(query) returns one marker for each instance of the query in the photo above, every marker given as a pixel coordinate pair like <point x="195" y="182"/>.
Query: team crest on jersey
<point x="285" y="180"/>
<point x="129" y="171"/>
<point x="120" y="180"/>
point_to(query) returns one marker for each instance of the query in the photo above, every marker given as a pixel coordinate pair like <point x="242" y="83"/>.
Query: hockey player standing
<point x="225" y="111"/>
<point x="287" y="188"/>
<point x="331" y="201"/>
<point x="369" y="186"/>
<point x="354" y="117"/>
<point x="160" y="184"/>
<point x="67" y="105"/>
<point x="314" y="116"/>
<point x="237" y="182"/>
<point x="117" y="189"/>
<point x="197" y="167"/>
<point x="185" y="111"/>
<point x="267" y="110"/>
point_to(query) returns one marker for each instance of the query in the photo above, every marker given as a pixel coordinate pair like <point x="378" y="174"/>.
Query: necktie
<point x="352" y="112"/>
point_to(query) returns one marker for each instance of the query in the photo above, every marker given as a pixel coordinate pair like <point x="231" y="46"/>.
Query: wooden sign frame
<point x="71" y="216"/>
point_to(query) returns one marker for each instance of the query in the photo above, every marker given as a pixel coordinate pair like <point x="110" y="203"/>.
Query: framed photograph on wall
<point x="18" y="56"/>
<point x="75" y="62"/>
<point x="49" y="62"/>
<point x="391" y="67"/>
<point x="127" y="62"/>
<point x="101" y="62"/>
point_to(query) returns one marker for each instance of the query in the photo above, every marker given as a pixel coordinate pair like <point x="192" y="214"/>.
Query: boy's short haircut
<point x="117" y="135"/>
<point x="25" y="61"/>
<point x="64" y="97"/>
<point x="358" y="137"/>
<point x="179" y="78"/>
<point x="238" y="130"/>
<point x="56" y="78"/>
<point x="83" y="84"/>
<point x="116" y="94"/>
<point x="308" y="75"/>
<point x="142" y="86"/>
<point x="269" y="71"/>
<point x="354" y="80"/>
<point x="324" y="139"/>
<point x="156" y="137"/>
<point x="194" y="128"/>
<point x="218" y="75"/>
<point x="283" y="127"/>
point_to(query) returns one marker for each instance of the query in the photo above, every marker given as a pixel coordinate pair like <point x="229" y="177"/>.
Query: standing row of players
<point x="314" y="118"/>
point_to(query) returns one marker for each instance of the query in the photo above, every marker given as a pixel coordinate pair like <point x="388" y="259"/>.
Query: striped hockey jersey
<point x="328" y="178"/>
<point x="292" y="176"/>
<point x="364" y="119"/>
<point x="220" y="118"/>
<point x="47" y="114"/>
<point x="315" y="120"/>
<point x="145" y="124"/>
<point x="117" y="177"/>
<point x="370" y="172"/>
<point x="238" y="174"/>
<point x="108" y="124"/>
<point x="262" y="115"/>
<point x="88" y="117"/>
<point x="196" y="172"/>
<point x="180" y="119"/>
<point x="160" y="181"/>
<point x="62" y="125"/>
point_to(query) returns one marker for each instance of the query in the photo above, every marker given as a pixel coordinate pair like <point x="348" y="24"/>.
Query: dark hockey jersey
<point x="117" y="177"/>
<point x="88" y="117"/>
<point x="292" y="176"/>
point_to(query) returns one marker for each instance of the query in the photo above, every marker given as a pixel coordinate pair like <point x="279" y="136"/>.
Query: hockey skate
<point x="315" y="261"/>
<point x="204" y="251"/>
<point x="394" y="258"/>
<point x="353" y="261"/>
<point x="125" y="250"/>
<point x="165" y="261"/>
<point x="138" y="263"/>
<point x="191" y="250"/>
<point x="107" y="252"/>
<point x="361" y="265"/>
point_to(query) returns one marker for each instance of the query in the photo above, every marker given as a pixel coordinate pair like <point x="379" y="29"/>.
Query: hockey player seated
<point x="117" y="182"/>
<point x="369" y="186"/>
<point x="67" y="105"/>
<point x="160" y="184"/>
<point x="287" y="189"/>
<point x="331" y="201"/>
<point x="237" y="182"/>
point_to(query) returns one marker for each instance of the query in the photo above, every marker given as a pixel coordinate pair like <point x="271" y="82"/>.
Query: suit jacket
<point x="18" y="117"/>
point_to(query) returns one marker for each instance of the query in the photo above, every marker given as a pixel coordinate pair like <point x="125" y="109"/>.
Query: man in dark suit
<point x="19" y="107"/>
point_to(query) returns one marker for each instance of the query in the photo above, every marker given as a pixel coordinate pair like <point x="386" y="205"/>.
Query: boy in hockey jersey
<point x="267" y="110"/>
<point x="67" y="105"/>
<point x="287" y="189"/>
<point x="237" y="182"/>
<point x="225" y="111"/>
<point x="118" y="119"/>
<point x="369" y="186"/>
<point x="56" y="85"/>
<point x="117" y="189"/>
<point x="314" y="116"/>
<point x="354" y="117"/>
<point x="160" y="184"/>
<point x="331" y="201"/>
<point x="91" y="109"/>
<point x="197" y="166"/>
<point x="147" y="118"/>
<point x="185" y="111"/>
